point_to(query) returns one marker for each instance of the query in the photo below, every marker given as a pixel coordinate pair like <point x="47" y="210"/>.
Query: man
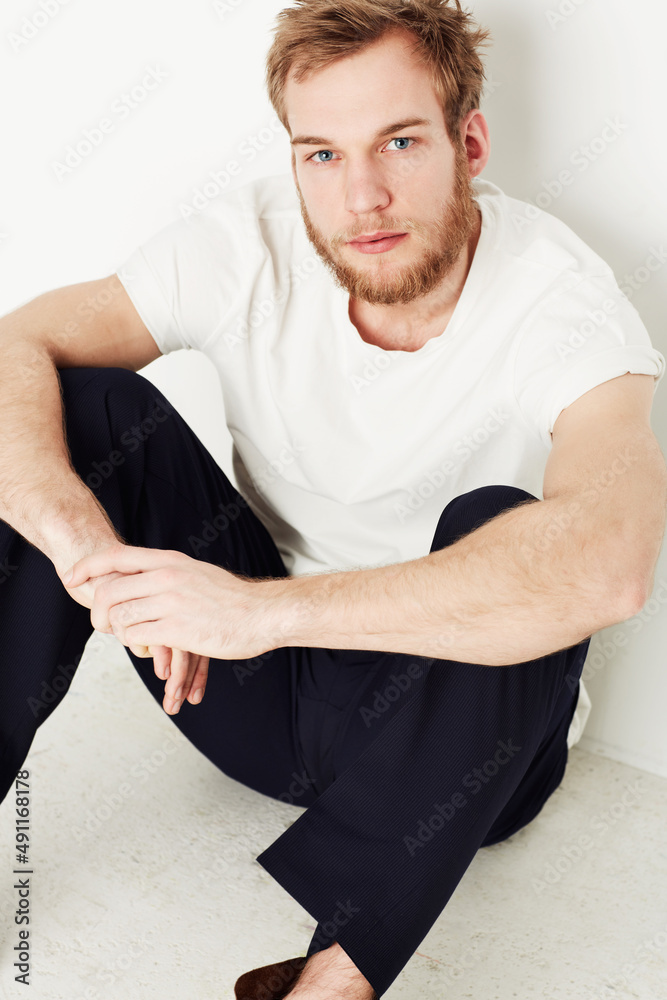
<point x="397" y="621"/>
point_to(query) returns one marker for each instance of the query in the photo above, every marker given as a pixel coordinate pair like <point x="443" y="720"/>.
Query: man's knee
<point x="124" y="399"/>
<point x="468" y="511"/>
<point x="98" y="381"/>
<point x="110" y="413"/>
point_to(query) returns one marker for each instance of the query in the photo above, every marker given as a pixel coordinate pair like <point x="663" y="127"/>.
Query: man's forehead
<point x="365" y="89"/>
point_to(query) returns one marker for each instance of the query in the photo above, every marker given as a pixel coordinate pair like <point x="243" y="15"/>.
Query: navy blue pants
<point x="407" y="764"/>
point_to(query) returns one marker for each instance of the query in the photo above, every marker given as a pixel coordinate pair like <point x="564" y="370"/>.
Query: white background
<point x="554" y="80"/>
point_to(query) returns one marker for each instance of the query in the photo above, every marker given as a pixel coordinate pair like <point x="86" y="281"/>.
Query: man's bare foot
<point x="331" y="974"/>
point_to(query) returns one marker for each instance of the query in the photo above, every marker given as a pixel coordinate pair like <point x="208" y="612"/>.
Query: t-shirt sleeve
<point x="583" y="336"/>
<point x="186" y="279"/>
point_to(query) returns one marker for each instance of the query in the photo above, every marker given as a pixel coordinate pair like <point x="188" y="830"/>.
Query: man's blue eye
<point x="329" y="154"/>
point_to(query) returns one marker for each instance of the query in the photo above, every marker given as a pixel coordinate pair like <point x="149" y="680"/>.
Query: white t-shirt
<point x="349" y="453"/>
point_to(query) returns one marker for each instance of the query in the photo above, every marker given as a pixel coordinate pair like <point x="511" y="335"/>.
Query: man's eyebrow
<point x="318" y="140"/>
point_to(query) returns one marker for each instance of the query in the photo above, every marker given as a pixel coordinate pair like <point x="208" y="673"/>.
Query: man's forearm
<point x="516" y="588"/>
<point x="41" y="495"/>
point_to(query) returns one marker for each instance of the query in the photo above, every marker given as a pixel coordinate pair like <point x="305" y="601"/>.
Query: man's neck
<point x="408" y="326"/>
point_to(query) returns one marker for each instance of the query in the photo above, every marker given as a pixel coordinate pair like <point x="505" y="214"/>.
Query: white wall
<point x="558" y="70"/>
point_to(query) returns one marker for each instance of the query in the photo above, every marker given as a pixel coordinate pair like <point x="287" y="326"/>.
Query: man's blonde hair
<point x="315" y="33"/>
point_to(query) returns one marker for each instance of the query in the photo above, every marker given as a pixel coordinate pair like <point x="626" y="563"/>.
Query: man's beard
<point x="442" y="243"/>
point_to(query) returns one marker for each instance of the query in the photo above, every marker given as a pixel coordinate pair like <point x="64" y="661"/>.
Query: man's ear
<point x="476" y="139"/>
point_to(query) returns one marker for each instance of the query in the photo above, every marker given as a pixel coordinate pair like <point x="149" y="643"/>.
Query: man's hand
<point x="85" y="593"/>
<point x="164" y="598"/>
<point x="186" y="672"/>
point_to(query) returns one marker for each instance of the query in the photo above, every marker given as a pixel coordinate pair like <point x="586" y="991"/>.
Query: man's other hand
<point x="185" y="672"/>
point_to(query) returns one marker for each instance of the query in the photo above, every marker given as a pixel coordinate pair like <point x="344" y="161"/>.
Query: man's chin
<point x="362" y="285"/>
<point x="385" y="282"/>
<point x="380" y="293"/>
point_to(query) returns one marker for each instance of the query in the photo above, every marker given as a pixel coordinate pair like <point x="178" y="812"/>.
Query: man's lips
<point x="377" y="242"/>
<point x="380" y="235"/>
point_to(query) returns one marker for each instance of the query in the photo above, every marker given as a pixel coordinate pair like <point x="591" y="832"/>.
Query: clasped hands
<point x="180" y="610"/>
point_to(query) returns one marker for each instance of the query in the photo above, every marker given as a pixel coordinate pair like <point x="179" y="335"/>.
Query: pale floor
<point x="162" y="898"/>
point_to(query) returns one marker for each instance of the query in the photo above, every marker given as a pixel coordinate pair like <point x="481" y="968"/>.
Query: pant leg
<point x="463" y="756"/>
<point x="161" y="488"/>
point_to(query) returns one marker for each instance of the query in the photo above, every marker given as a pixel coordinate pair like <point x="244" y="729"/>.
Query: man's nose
<point x="366" y="190"/>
